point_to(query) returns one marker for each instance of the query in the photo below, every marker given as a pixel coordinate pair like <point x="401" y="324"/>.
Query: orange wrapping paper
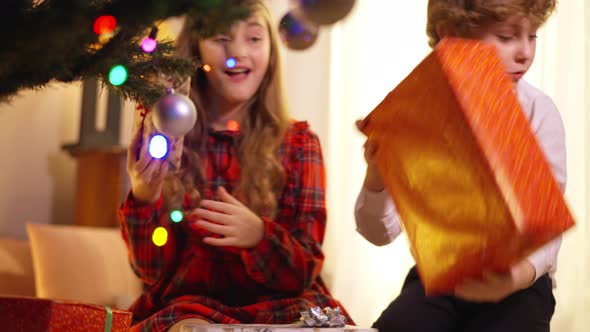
<point x="467" y="175"/>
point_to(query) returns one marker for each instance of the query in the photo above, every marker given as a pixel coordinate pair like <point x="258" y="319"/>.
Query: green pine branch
<point x="54" y="40"/>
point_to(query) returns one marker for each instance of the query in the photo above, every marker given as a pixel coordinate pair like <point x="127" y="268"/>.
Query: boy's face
<point x="515" y="40"/>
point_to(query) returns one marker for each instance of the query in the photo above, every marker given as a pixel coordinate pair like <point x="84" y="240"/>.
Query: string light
<point x="148" y="44"/>
<point x="206" y="68"/>
<point x="105" y="24"/>
<point x="176" y="216"/>
<point x="233" y="125"/>
<point x="230" y="63"/>
<point x="118" y="75"/>
<point x="158" y="146"/>
<point x="160" y="236"/>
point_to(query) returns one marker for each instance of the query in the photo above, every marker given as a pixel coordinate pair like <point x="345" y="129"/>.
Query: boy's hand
<point x="239" y="226"/>
<point x="497" y="286"/>
<point x="373" y="181"/>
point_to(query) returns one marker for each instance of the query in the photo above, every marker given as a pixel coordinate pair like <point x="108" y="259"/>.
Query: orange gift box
<point x="470" y="182"/>
<point x="27" y="314"/>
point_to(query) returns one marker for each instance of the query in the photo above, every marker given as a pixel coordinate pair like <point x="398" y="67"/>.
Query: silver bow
<point x="328" y="317"/>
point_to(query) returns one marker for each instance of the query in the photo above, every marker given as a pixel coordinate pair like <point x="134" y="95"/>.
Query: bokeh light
<point x="160" y="236"/>
<point x="105" y="24"/>
<point x="230" y="63"/>
<point x="233" y="125"/>
<point x="176" y="216"/>
<point x="118" y="75"/>
<point x="148" y="45"/>
<point x="158" y="146"/>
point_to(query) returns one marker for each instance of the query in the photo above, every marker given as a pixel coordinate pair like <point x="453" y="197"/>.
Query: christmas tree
<point x="69" y="40"/>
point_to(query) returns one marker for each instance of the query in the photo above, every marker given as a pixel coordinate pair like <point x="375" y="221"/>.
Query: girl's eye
<point x="255" y="39"/>
<point x="533" y="37"/>
<point x="222" y="39"/>
<point x="504" y="37"/>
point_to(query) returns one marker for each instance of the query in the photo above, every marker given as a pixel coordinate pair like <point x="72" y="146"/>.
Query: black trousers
<point x="528" y="310"/>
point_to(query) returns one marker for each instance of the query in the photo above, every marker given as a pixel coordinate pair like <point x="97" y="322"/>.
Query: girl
<point x="252" y="193"/>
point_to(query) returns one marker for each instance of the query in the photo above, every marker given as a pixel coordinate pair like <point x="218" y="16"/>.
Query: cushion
<point x="79" y="263"/>
<point x="16" y="268"/>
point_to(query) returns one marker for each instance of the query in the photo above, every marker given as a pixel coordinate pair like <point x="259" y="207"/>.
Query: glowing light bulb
<point x="105" y="24"/>
<point x="158" y="146"/>
<point x="176" y="216"/>
<point x="148" y="45"/>
<point x="206" y="68"/>
<point x="118" y="75"/>
<point x="160" y="236"/>
<point x="233" y="125"/>
<point x="230" y="63"/>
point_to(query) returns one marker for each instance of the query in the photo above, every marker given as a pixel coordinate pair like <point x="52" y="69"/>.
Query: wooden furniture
<point x="100" y="185"/>
<point x="101" y="180"/>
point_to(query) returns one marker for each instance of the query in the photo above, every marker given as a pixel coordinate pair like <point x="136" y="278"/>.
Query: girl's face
<point x="248" y="42"/>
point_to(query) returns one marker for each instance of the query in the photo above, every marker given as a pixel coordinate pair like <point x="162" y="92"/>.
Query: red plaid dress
<point x="269" y="284"/>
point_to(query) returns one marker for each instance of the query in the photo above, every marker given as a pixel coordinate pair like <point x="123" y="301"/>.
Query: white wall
<point x="372" y="51"/>
<point x="306" y="77"/>
<point x="37" y="177"/>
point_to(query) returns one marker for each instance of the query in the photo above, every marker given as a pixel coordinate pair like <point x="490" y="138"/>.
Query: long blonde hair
<point x="262" y="175"/>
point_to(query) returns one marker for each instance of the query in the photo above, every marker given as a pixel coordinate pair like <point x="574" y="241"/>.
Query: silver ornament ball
<point x="326" y="12"/>
<point x="296" y="32"/>
<point x="174" y="115"/>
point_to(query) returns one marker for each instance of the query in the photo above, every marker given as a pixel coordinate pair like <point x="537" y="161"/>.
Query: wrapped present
<point x="269" y="328"/>
<point x="468" y="177"/>
<point x="28" y="314"/>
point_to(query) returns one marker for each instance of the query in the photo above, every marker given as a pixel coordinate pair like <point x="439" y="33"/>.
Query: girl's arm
<point x="141" y="212"/>
<point x="138" y="222"/>
<point x="289" y="258"/>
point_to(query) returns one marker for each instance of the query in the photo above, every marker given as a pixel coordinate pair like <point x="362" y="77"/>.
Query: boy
<point x="521" y="299"/>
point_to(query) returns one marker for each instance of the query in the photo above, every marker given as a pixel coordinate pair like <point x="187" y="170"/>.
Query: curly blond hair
<point x="463" y="16"/>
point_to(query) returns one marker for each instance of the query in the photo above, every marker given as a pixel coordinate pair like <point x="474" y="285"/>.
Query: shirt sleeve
<point x="376" y="217"/>
<point x="289" y="257"/>
<point x="548" y="126"/>
<point x="138" y="222"/>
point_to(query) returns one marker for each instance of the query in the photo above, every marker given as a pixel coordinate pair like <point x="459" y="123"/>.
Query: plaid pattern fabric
<point x="271" y="283"/>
